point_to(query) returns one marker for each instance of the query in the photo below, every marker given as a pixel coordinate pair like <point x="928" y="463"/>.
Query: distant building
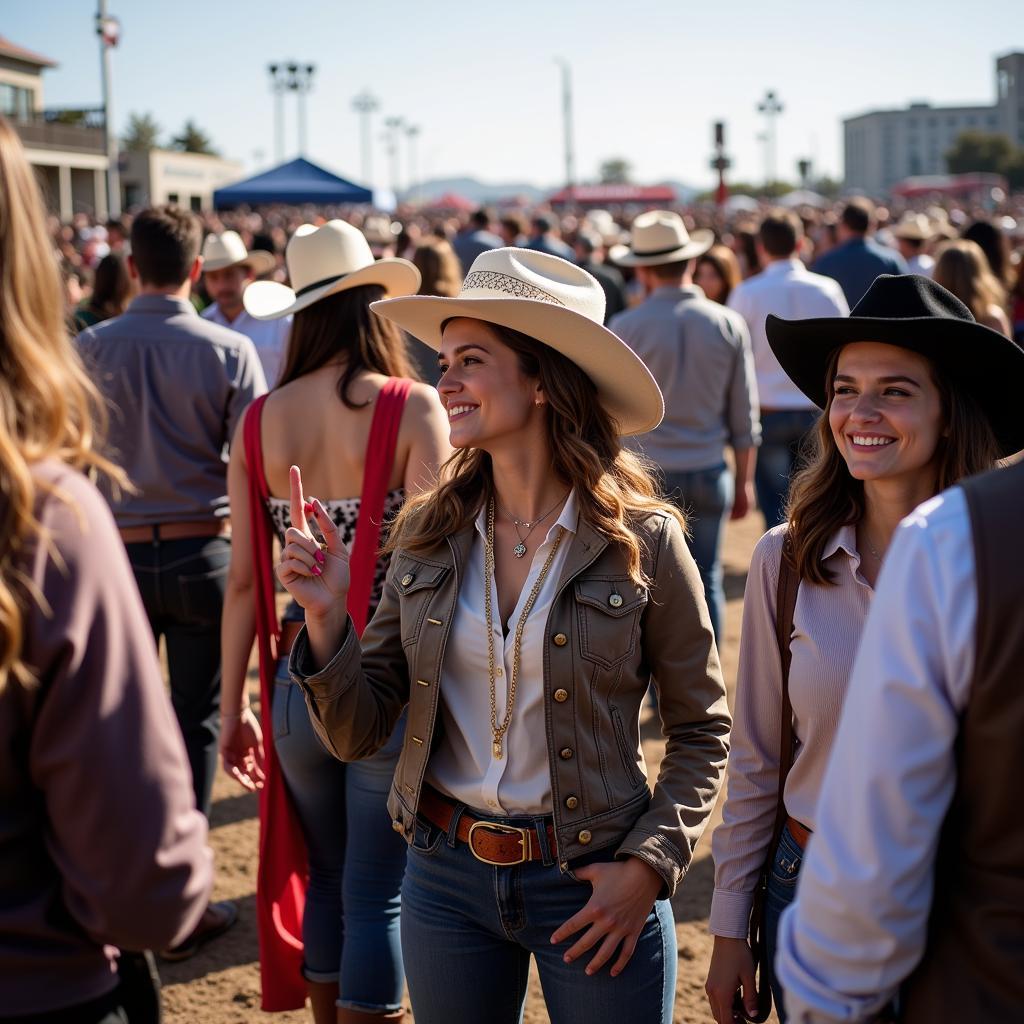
<point x="161" y="176"/>
<point x="883" y="147"/>
<point x="66" y="147"/>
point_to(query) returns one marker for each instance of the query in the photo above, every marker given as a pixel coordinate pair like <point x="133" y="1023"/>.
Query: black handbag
<point x="789" y="584"/>
<point x="138" y="989"/>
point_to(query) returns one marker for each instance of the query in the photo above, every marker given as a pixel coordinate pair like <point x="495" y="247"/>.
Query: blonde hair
<point x="49" y="408"/>
<point x="614" y="488"/>
<point x="963" y="268"/>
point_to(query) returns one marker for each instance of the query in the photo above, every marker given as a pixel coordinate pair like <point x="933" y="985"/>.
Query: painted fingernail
<point x="308" y="508"/>
<point x="319" y="556"/>
<point x="317" y="571"/>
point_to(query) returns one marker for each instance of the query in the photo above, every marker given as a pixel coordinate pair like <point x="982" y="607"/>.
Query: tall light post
<point x="301" y="82"/>
<point x="365" y="104"/>
<point x="278" y="85"/>
<point x="771" y="106"/>
<point x="570" y="157"/>
<point x="290" y="77"/>
<point x="412" y="132"/>
<point x="720" y="163"/>
<point x="394" y="125"/>
<point x="109" y="31"/>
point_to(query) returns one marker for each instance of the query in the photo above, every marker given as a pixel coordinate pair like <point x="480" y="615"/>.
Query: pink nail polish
<point x="308" y="508"/>
<point x="319" y="556"/>
<point x="317" y="571"/>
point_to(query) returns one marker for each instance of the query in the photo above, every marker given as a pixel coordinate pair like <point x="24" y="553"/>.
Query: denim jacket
<point x="607" y="641"/>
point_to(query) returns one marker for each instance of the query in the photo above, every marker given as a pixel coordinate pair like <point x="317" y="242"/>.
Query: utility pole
<point x="771" y="106"/>
<point x="412" y="132"/>
<point x="366" y="104"/>
<point x="109" y="31"/>
<point x="570" y="157"/>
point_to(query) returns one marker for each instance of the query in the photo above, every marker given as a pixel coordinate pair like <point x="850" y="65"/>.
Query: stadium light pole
<point x="109" y="30"/>
<point x="570" y="156"/>
<point x="366" y="104"/>
<point x="771" y="106"/>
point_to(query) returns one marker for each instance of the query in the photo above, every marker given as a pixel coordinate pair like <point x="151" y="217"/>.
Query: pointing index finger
<point x="298" y="502"/>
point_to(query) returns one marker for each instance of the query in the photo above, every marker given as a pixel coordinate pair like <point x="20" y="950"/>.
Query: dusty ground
<point x="221" y="984"/>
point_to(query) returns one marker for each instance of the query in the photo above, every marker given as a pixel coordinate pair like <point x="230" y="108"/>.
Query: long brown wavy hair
<point x="824" y="496"/>
<point x="614" y="487"/>
<point x="49" y="409"/>
<point x="343" y="327"/>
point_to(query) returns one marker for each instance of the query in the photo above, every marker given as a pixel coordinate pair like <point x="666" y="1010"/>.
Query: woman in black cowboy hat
<point x="916" y="395"/>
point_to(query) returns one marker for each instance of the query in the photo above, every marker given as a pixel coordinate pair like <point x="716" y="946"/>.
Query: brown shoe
<point x="216" y="920"/>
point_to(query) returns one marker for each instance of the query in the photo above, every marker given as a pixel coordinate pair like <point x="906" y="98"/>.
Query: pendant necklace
<point x="529" y="525"/>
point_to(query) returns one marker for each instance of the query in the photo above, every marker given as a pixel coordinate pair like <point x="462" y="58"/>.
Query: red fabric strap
<point x="380" y="459"/>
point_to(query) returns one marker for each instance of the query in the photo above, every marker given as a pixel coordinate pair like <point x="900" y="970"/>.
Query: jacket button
<point x="397" y="826"/>
<point x="615" y="600"/>
<point x="407" y="579"/>
<point x="565" y="753"/>
<point x="561" y="696"/>
<point x="560" y="639"/>
<point x="572" y="803"/>
<point x="584" y="837"/>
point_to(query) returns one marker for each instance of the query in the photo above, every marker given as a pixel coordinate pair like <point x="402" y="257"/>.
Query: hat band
<point x="663" y="252"/>
<point x="493" y="280"/>
<point x="319" y="284"/>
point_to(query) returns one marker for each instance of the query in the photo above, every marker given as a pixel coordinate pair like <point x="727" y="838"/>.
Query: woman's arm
<point x="241" y="739"/>
<point x="426" y="424"/>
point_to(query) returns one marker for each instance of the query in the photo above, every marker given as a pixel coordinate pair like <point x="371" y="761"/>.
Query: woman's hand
<point x="624" y="892"/>
<point x="241" y="749"/>
<point x="732" y="968"/>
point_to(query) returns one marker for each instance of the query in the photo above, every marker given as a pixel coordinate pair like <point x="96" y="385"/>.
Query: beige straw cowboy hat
<point x="914" y="227"/>
<point x="660" y="236"/>
<point x="226" y="249"/>
<point x="554" y="302"/>
<point x="324" y="261"/>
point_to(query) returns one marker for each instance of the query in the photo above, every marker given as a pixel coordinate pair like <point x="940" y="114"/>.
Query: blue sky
<point x="480" y="79"/>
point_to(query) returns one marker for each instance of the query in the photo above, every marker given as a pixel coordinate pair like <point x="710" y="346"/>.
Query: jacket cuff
<point x="658" y="853"/>
<point x="730" y="913"/>
<point x="335" y="677"/>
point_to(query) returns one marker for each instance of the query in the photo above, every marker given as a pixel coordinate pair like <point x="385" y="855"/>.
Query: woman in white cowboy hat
<point x="533" y="596"/>
<point x="367" y="437"/>
<point x="915" y="396"/>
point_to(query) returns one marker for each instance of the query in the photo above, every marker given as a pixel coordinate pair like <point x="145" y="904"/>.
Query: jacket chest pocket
<point x="417" y="582"/>
<point x="608" y="614"/>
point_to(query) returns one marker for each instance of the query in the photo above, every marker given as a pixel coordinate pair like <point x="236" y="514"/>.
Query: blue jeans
<point x="182" y="585"/>
<point x="705" y="496"/>
<point x="781" y="435"/>
<point x="469" y="929"/>
<point x="350" y="928"/>
<point x="781" y="892"/>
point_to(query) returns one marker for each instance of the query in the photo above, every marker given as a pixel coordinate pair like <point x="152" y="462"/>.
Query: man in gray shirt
<point x="177" y="386"/>
<point x="699" y="353"/>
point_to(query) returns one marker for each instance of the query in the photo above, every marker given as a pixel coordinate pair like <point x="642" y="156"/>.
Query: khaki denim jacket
<point x="607" y="640"/>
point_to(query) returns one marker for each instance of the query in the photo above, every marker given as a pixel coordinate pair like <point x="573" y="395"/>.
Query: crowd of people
<point x="489" y="461"/>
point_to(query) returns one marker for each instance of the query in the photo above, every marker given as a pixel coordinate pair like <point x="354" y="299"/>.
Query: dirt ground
<point x="221" y="984"/>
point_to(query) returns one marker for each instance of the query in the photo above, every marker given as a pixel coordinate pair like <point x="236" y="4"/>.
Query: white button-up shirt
<point x="860" y="920"/>
<point x="464" y="765"/>
<point x="269" y="336"/>
<point x="787" y="289"/>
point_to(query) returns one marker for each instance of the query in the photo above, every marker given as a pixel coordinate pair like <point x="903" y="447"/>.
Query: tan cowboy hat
<point x="554" y="302"/>
<point x="324" y="261"/>
<point x="914" y="227"/>
<point x="226" y="249"/>
<point x="660" y="236"/>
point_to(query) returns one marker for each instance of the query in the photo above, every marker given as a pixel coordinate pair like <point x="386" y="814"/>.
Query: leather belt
<point x="489" y="841"/>
<point x="289" y="634"/>
<point x="175" y="531"/>
<point x="801" y="833"/>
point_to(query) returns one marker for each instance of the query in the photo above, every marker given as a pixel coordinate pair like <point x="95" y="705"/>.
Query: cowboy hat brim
<point x="699" y="243"/>
<point x="268" y="300"/>
<point x="984" y="362"/>
<point x="261" y="261"/>
<point x="625" y="386"/>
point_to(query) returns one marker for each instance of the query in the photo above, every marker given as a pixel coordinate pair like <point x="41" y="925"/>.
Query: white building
<point x="162" y="176"/>
<point x="883" y="147"/>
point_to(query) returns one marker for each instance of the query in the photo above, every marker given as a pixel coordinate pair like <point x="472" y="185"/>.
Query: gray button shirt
<point x="176" y="385"/>
<point x="699" y="353"/>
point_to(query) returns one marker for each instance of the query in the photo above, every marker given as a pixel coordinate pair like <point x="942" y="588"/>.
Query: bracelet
<point x="231" y="718"/>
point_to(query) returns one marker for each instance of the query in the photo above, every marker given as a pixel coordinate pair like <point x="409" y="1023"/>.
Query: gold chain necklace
<point x="498" y="731"/>
<point x="529" y="525"/>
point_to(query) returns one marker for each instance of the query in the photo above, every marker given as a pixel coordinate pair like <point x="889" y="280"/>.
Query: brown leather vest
<point x="973" y="967"/>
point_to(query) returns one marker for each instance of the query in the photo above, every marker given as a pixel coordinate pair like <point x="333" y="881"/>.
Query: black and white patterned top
<point x="345" y="513"/>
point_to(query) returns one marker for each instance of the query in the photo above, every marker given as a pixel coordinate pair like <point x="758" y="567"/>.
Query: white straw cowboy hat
<point x="226" y="249"/>
<point x="324" y="261"/>
<point x="914" y="227"/>
<point x="660" y="236"/>
<point x="554" y="302"/>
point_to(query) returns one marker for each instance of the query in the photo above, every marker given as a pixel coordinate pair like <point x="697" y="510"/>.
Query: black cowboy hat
<point x="915" y="313"/>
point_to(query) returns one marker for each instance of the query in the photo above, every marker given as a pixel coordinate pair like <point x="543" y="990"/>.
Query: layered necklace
<point x="529" y="526"/>
<point x="498" y="730"/>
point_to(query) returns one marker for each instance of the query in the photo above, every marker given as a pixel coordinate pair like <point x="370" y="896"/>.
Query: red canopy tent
<point x="451" y="201"/>
<point x="607" y="195"/>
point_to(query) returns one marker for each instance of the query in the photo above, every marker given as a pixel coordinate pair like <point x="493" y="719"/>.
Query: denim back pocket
<point x="787" y="860"/>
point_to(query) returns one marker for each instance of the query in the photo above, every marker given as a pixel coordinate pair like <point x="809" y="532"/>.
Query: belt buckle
<point x="524" y="842"/>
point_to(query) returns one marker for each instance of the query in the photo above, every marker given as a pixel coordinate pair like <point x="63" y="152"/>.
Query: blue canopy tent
<point x="295" y="182"/>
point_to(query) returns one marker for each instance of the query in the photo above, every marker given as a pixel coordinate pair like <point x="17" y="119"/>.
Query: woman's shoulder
<point x="767" y="554"/>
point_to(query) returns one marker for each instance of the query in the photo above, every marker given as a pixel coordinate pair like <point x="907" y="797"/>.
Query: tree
<point x="193" y="140"/>
<point x="615" y="171"/>
<point x="979" y="151"/>
<point x="143" y="134"/>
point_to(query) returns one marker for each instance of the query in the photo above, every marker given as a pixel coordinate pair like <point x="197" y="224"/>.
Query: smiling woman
<point x="906" y="415"/>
